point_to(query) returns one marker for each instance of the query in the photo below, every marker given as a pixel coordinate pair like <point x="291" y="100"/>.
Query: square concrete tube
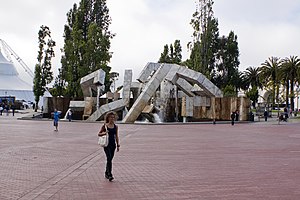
<point x="185" y="86"/>
<point x="200" y="79"/>
<point x="147" y="71"/>
<point x="91" y="81"/>
<point x="99" y="77"/>
<point x="113" y="106"/>
<point x="126" y="86"/>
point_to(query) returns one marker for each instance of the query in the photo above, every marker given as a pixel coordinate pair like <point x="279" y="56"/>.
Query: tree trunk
<point x="36" y="106"/>
<point x="274" y="95"/>
<point x="287" y="92"/>
<point x="292" y="95"/>
<point x="277" y="94"/>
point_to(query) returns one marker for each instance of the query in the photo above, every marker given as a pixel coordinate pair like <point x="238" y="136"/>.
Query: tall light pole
<point x="113" y="77"/>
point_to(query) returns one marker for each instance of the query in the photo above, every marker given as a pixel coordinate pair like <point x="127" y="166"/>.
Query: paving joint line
<point x="64" y="177"/>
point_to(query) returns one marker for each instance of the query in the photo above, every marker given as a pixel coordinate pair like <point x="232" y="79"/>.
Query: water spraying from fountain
<point x="156" y="118"/>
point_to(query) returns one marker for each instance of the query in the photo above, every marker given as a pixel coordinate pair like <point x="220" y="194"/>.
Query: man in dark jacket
<point x="232" y="118"/>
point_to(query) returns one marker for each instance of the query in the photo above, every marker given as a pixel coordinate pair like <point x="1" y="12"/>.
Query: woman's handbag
<point x="103" y="140"/>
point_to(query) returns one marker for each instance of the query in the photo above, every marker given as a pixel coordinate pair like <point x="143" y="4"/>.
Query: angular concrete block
<point x="147" y="71"/>
<point x="146" y="94"/>
<point x="91" y="81"/>
<point x="99" y="77"/>
<point x="172" y="75"/>
<point x="185" y="86"/>
<point x="127" y="86"/>
<point x="100" y="112"/>
<point x="195" y="77"/>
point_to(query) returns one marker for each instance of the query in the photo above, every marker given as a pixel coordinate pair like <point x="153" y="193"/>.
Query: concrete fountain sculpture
<point x="159" y="87"/>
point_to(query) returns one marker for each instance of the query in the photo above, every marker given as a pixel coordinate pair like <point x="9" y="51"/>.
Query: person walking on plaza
<point x="1" y="109"/>
<point x="237" y="115"/>
<point x="55" y="119"/>
<point x="113" y="142"/>
<point x="69" y="115"/>
<point x="13" y="109"/>
<point x="266" y="115"/>
<point x="232" y="116"/>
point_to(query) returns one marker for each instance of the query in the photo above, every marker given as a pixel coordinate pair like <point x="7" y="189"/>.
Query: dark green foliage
<point x="215" y="57"/>
<point x="43" y="74"/>
<point x="59" y="85"/>
<point x="204" y="50"/>
<point x="229" y="91"/>
<point x="252" y="94"/>
<point x="205" y="44"/>
<point x="37" y="83"/>
<point x="228" y="62"/>
<point x="87" y="44"/>
<point x="164" y="56"/>
<point x="251" y="78"/>
<point x="174" y="56"/>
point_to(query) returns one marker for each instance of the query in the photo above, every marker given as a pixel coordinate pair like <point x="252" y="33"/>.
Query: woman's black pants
<point x="109" y="152"/>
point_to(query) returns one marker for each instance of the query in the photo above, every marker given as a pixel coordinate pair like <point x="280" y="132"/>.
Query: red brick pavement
<point x="195" y="161"/>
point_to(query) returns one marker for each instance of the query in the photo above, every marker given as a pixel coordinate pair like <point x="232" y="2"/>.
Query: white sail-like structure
<point x="10" y="82"/>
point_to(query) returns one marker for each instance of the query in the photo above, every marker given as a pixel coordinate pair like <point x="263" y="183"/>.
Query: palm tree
<point x="285" y="80"/>
<point x="270" y="75"/>
<point x="251" y="77"/>
<point x="291" y="70"/>
<point x="251" y="83"/>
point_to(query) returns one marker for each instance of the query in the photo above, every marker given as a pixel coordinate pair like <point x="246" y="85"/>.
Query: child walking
<point x="56" y="118"/>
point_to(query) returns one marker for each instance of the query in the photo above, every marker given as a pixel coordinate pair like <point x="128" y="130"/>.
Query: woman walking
<point x="113" y="142"/>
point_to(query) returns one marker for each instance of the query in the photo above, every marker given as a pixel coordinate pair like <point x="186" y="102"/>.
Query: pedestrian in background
<point x="266" y="115"/>
<point x="13" y="109"/>
<point x="1" y="109"/>
<point x="55" y="119"/>
<point x="69" y="115"/>
<point x="237" y="115"/>
<point x="232" y="118"/>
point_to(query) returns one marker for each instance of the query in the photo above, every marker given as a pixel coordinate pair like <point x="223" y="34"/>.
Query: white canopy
<point x="10" y="82"/>
<point x="9" y="76"/>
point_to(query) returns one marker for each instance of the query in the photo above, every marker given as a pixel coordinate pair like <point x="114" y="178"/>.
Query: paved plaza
<point x="192" y="161"/>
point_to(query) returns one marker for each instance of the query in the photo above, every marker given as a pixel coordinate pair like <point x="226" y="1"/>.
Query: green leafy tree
<point x="171" y="54"/>
<point x="87" y="44"/>
<point x="59" y="85"/>
<point x="227" y="64"/>
<point x="215" y="57"/>
<point x="229" y="91"/>
<point x="177" y="57"/>
<point x="43" y="74"/>
<point x="205" y="39"/>
<point x="252" y="94"/>
<point x="164" y="56"/>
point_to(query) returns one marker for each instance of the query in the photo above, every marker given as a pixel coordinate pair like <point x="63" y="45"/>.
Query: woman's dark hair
<point x="108" y="115"/>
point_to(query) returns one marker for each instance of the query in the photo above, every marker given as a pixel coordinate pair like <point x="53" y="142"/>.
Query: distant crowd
<point x="6" y="108"/>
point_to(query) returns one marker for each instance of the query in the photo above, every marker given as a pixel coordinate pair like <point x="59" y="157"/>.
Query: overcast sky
<point x="264" y="28"/>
